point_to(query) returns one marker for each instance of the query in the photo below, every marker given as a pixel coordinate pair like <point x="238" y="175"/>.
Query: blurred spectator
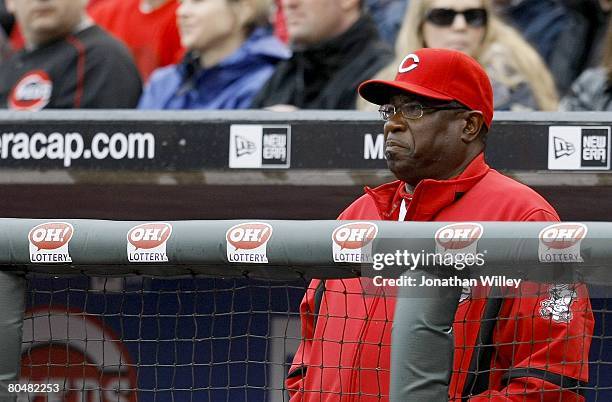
<point x="597" y="12"/>
<point x="593" y="88"/>
<point x="388" y="16"/>
<point x="519" y="77"/>
<point x="15" y="37"/>
<point x="68" y="62"/>
<point x="6" y="19"/>
<point x="146" y="27"/>
<point x="12" y="39"/>
<point x="14" y="33"/>
<point x="6" y="25"/>
<point x="278" y="21"/>
<point x="5" y="47"/>
<point x="560" y="30"/>
<point x="336" y="47"/>
<point x="230" y="56"/>
<point x="94" y="3"/>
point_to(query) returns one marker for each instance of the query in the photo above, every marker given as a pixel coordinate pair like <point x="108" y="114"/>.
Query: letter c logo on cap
<point x="404" y="68"/>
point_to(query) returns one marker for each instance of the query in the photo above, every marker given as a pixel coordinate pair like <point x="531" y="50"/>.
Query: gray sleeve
<point x="586" y="92"/>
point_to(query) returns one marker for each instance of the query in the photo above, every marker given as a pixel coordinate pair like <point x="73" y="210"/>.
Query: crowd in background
<point x="293" y="54"/>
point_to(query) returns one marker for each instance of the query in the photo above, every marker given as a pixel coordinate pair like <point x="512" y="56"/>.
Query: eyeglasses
<point x="412" y="111"/>
<point x="444" y="17"/>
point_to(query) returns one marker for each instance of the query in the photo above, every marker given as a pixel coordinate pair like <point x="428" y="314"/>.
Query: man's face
<point x="44" y="20"/>
<point x="312" y="21"/>
<point x="429" y="147"/>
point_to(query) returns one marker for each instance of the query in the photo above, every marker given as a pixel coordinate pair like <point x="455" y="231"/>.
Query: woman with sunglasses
<point x="520" y="79"/>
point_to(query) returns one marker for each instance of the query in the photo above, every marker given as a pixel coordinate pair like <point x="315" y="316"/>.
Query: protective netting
<point x="212" y="339"/>
<point x="145" y="339"/>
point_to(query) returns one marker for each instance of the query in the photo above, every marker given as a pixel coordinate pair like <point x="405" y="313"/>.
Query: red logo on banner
<point x="51" y="235"/>
<point x="248" y="236"/>
<point x="354" y="235"/>
<point x="149" y="235"/>
<point x="563" y="235"/>
<point x="458" y="236"/>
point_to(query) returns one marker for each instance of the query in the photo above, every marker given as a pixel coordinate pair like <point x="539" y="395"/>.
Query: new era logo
<point x="578" y="148"/>
<point x="595" y="148"/>
<point x="275" y="140"/>
<point x="244" y="146"/>
<point x="255" y="146"/>
<point x="562" y="147"/>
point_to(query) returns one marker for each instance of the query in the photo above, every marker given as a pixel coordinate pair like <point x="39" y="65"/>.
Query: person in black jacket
<point x="335" y="47"/>
<point x="68" y="61"/>
<point x="592" y="90"/>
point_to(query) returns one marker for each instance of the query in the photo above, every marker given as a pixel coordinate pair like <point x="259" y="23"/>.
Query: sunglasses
<point x="444" y="17"/>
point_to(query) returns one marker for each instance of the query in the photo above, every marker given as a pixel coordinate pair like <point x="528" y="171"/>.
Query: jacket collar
<point x="429" y="197"/>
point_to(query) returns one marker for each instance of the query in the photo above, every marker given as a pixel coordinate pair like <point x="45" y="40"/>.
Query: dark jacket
<point x="326" y="76"/>
<point x="88" y="69"/>
<point x="560" y="33"/>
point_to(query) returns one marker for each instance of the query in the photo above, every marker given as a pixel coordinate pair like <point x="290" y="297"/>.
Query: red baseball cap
<point x="439" y="74"/>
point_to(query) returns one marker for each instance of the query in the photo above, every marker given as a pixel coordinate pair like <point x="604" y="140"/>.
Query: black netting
<point x="211" y="339"/>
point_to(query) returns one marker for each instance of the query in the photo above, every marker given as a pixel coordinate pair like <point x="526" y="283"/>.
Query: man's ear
<point x="473" y="124"/>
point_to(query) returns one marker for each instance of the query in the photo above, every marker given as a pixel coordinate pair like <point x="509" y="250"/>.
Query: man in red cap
<point x="437" y="113"/>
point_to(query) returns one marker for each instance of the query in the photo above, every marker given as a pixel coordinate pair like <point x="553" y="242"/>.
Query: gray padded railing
<point x="294" y="249"/>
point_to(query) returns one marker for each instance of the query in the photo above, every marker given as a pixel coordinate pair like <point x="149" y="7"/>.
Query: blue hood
<point x="231" y="84"/>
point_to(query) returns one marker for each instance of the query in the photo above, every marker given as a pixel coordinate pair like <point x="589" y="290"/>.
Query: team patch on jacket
<point x="32" y="91"/>
<point x="466" y="293"/>
<point x="557" y="306"/>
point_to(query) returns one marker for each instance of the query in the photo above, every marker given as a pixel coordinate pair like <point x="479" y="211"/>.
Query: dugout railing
<point x="192" y="164"/>
<point x="220" y="340"/>
<point x="211" y="338"/>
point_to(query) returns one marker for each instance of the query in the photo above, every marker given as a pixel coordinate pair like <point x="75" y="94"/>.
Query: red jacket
<point x="152" y="37"/>
<point x="344" y="354"/>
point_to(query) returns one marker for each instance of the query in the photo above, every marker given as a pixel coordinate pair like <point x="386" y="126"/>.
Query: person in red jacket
<point x="68" y="62"/>
<point x="147" y="27"/>
<point x="437" y="113"/>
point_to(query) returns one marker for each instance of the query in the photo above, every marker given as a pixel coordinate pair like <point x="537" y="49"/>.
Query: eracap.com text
<point x="68" y="147"/>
